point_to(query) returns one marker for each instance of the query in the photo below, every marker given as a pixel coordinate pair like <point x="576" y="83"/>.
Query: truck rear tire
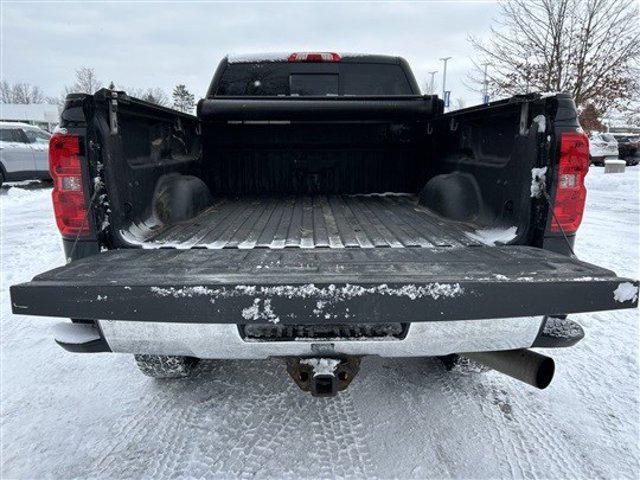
<point x="165" y="366"/>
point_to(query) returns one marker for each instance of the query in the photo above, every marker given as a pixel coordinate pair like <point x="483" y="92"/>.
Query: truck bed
<point x="320" y="221"/>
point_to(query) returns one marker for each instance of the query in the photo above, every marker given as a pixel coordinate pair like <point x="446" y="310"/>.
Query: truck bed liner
<point x="321" y="221"/>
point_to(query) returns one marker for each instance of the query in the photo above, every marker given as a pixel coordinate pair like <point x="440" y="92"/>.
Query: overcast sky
<point x="149" y="44"/>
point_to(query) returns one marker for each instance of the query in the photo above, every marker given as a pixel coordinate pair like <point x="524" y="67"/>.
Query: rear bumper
<point x="223" y="341"/>
<point x="17" y="176"/>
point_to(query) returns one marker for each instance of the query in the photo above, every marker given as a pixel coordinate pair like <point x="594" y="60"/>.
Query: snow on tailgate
<point x="261" y="308"/>
<point x="433" y="290"/>
<point x="626" y="292"/>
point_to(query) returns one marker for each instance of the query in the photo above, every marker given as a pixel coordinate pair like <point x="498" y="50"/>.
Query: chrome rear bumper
<point x="223" y="341"/>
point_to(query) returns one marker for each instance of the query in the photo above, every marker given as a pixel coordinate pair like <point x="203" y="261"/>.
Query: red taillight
<point x="68" y="194"/>
<point x="570" y="191"/>
<point x="314" y="57"/>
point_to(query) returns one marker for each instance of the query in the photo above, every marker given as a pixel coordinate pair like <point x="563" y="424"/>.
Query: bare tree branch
<point x="589" y="48"/>
<point x="21" y="93"/>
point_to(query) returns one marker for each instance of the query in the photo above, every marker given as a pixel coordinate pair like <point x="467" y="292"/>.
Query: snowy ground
<point x="69" y="415"/>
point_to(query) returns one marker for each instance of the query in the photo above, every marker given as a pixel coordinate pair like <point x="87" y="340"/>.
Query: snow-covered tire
<point x="165" y="366"/>
<point x="462" y="365"/>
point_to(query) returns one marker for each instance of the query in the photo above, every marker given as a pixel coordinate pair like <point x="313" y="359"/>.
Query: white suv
<point x="24" y="152"/>
<point x="601" y="147"/>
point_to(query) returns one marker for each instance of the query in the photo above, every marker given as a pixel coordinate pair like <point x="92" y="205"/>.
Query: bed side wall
<point x="480" y="163"/>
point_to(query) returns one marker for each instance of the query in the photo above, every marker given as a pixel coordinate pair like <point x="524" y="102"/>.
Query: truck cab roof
<point x="349" y="57"/>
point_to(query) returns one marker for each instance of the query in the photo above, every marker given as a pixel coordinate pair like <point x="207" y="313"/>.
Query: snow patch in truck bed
<point x="493" y="236"/>
<point x="383" y="194"/>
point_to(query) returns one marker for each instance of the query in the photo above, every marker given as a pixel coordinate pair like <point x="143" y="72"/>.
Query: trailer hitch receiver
<point x="323" y="377"/>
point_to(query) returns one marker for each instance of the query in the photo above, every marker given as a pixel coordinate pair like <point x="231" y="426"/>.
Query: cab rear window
<point x="309" y="84"/>
<point x="294" y="79"/>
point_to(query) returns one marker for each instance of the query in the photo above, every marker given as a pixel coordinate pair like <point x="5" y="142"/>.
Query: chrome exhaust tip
<point x="525" y="365"/>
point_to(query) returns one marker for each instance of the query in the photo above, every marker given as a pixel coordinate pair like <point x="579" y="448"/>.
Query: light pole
<point x="485" y="82"/>
<point x="432" y="82"/>
<point x="444" y="76"/>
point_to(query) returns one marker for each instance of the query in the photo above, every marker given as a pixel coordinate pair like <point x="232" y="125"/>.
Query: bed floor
<point x="322" y="221"/>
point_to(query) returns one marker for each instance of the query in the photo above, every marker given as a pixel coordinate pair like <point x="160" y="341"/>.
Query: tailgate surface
<point x="297" y="286"/>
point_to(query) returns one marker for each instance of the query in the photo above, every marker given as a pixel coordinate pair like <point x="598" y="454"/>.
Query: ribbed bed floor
<point x="322" y="221"/>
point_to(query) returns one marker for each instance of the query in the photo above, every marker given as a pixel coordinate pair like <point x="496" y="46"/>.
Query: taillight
<point x="68" y="193"/>
<point x="570" y="191"/>
<point x="314" y="57"/>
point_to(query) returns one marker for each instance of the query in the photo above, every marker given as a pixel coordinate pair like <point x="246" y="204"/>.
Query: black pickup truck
<point x="318" y="208"/>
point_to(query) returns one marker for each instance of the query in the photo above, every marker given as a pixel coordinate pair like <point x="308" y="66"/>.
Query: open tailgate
<point x="303" y="286"/>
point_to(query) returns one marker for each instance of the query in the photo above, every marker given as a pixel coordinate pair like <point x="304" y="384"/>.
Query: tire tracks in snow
<point x="414" y="399"/>
<point x="535" y="436"/>
<point x="129" y="430"/>
<point x="493" y="422"/>
<point x="340" y="434"/>
<point x="591" y="379"/>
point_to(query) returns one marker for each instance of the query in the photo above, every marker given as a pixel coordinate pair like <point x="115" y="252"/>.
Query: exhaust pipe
<point x="525" y="365"/>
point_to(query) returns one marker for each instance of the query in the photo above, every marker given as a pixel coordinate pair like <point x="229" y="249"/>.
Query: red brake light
<point x="570" y="191"/>
<point x="68" y="194"/>
<point x="314" y="57"/>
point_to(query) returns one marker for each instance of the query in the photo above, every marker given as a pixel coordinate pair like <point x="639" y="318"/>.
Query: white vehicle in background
<point x="24" y="152"/>
<point x="601" y="147"/>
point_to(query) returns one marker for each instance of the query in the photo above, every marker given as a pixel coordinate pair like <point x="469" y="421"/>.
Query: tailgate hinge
<point x="524" y="118"/>
<point x="113" y="113"/>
